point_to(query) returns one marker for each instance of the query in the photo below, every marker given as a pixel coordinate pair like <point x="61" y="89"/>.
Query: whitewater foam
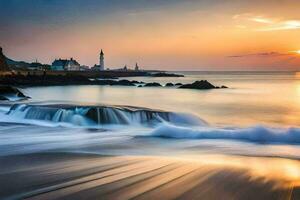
<point x="86" y="116"/>
<point x="168" y="124"/>
<point x="258" y="134"/>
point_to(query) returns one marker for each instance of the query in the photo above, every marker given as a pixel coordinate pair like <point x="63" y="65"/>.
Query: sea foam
<point x="258" y="134"/>
<point x="85" y="116"/>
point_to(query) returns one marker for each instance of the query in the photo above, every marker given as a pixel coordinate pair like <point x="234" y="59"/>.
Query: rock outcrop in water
<point x="90" y="115"/>
<point x="51" y="80"/>
<point x="169" y="84"/>
<point x="154" y="84"/>
<point x="115" y="115"/>
<point x="201" y="85"/>
<point x="116" y="82"/>
<point x="164" y="74"/>
<point x="7" y="92"/>
<point x="59" y="80"/>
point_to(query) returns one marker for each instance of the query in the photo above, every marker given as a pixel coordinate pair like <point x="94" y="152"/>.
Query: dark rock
<point x="154" y="84"/>
<point x="125" y="83"/>
<point x="114" y="82"/>
<point x="10" y="91"/>
<point x="20" y="94"/>
<point x="4" y="89"/>
<point x="48" y="80"/>
<point x="169" y="84"/>
<point x="140" y="86"/>
<point x="100" y="115"/>
<point x="3" y="98"/>
<point x="223" y="86"/>
<point x="200" y="85"/>
<point x="3" y="63"/>
<point x="137" y="82"/>
<point x="178" y="84"/>
<point x="164" y="74"/>
<point x="56" y="80"/>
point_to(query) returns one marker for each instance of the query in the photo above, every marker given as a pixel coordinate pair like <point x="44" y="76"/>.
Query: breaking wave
<point x="98" y="115"/>
<point x="257" y="134"/>
<point x="163" y="124"/>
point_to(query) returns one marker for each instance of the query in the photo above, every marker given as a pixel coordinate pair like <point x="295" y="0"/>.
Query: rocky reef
<point x="154" y="84"/>
<point x="164" y="74"/>
<point x="169" y="84"/>
<point x="91" y="115"/>
<point x="7" y="93"/>
<point x="31" y="80"/>
<point x="201" y="85"/>
<point x="59" y="80"/>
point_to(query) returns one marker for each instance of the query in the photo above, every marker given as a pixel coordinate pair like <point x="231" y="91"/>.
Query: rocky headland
<point x="3" y="63"/>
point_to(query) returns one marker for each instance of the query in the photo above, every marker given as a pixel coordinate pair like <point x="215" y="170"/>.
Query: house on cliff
<point x="65" y="65"/>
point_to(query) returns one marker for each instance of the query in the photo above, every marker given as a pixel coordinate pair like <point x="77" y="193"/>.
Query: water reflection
<point x="269" y="168"/>
<point x="253" y="98"/>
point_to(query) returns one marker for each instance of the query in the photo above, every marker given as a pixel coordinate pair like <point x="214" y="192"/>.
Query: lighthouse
<point x="136" y="67"/>
<point x="101" y="61"/>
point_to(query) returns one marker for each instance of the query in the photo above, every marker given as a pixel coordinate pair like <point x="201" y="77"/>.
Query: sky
<point x="158" y="34"/>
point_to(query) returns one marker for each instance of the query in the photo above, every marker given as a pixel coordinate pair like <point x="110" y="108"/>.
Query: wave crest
<point x="258" y="134"/>
<point x="99" y="115"/>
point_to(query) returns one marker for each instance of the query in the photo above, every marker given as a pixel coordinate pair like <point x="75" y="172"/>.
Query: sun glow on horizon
<point x="162" y="35"/>
<point x="295" y="52"/>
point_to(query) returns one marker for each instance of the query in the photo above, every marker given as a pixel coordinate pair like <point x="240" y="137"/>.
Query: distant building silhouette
<point x="84" y="68"/>
<point x="65" y="64"/>
<point x="38" y="66"/>
<point x="136" y="67"/>
<point x="101" y="60"/>
<point x="101" y="66"/>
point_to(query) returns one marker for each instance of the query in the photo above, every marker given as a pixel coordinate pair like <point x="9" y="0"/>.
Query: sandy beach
<point x="86" y="176"/>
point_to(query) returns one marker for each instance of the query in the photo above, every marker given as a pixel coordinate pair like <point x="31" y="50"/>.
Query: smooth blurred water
<point x="257" y="116"/>
<point x="265" y="98"/>
<point x="254" y="124"/>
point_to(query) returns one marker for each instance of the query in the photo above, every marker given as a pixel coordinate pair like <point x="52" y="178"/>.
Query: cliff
<point x="3" y="63"/>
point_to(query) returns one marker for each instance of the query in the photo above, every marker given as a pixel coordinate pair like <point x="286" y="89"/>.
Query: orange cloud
<point x="261" y="54"/>
<point x="266" y="23"/>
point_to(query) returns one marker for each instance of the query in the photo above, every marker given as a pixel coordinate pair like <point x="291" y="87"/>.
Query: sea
<point x="257" y="116"/>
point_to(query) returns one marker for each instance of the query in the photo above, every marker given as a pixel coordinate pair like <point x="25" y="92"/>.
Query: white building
<point x="65" y="64"/>
<point x="101" y="60"/>
<point x="100" y="67"/>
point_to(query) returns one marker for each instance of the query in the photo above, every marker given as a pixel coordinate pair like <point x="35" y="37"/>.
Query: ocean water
<point x="253" y="98"/>
<point x="257" y="116"/>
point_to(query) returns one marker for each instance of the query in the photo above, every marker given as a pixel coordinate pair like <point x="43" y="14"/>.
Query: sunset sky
<point x="158" y="34"/>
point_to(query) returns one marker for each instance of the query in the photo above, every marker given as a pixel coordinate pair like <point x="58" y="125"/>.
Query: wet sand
<point x="86" y="176"/>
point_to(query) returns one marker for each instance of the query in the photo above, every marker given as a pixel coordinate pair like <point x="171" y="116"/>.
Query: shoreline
<point x="51" y="78"/>
<point x="90" y="176"/>
<point x="67" y="80"/>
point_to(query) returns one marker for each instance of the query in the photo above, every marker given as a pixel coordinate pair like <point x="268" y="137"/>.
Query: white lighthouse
<point x="101" y="62"/>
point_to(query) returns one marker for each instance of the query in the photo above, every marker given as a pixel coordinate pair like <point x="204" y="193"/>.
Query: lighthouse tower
<point x="101" y="62"/>
<point x="136" y="67"/>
